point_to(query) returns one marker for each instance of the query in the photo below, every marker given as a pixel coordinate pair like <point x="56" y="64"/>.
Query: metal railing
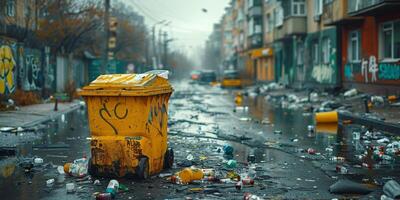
<point x="357" y="5"/>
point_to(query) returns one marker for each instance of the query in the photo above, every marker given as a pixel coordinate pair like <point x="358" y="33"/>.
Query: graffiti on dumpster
<point x="7" y="65"/>
<point x="157" y="112"/>
<point x="105" y="111"/>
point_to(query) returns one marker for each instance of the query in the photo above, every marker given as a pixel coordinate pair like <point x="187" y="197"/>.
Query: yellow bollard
<point x="238" y="99"/>
<point x="327" y="117"/>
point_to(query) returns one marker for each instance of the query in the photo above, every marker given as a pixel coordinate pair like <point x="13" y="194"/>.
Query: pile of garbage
<point x="376" y="146"/>
<point x="203" y="177"/>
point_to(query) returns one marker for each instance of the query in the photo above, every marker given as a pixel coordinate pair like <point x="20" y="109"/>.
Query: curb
<point x="51" y="116"/>
<point x="377" y="124"/>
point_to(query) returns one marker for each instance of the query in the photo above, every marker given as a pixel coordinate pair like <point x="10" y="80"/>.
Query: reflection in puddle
<point x="330" y="128"/>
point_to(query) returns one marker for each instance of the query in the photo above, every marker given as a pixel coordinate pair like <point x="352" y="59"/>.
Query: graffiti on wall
<point x="325" y="73"/>
<point x="30" y="72"/>
<point x="389" y="71"/>
<point x="369" y="66"/>
<point x="7" y="65"/>
<point x="372" y="71"/>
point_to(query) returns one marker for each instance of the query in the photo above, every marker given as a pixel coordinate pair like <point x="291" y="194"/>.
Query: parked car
<point x="194" y="75"/>
<point x="207" y="77"/>
<point x="231" y="79"/>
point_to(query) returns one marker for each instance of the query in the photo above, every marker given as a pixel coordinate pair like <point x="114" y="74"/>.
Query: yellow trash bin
<point x="128" y="116"/>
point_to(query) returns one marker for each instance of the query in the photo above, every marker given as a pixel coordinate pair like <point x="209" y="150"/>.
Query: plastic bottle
<point x="104" y="196"/>
<point x="79" y="168"/>
<point x="208" y="172"/>
<point x="231" y="164"/>
<point x="249" y="196"/>
<point x="247" y="181"/>
<point x="228" y="150"/>
<point x="112" y="188"/>
<point x="239" y="185"/>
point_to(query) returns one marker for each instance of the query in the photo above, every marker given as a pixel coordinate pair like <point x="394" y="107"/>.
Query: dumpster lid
<point x="132" y="80"/>
<point x="148" y="81"/>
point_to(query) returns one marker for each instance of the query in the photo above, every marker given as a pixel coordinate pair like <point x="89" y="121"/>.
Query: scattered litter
<point x="163" y="175"/>
<point x="348" y="187"/>
<point x="228" y="149"/>
<point x="351" y="92"/>
<point x="38" y="161"/>
<point x="50" y="182"/>
<point x="112" y="188"/>
<point x="70" y="187"/>
<point x="246" y="119"/>
<point x="97" y="182"/>
<point x="187" y="176"/>
<point x="6" y="129"/>
<point x="60" y="170"/>
<point x="278" y="132"/>
<point x="79" y="168"/>
<point x="392" y="189"/>
<point x="189" y="157"/>
<point x="231" y="164"/>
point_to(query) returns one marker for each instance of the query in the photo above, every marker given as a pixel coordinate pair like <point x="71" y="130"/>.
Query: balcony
<point x="372" y="7"/>
<point x="334" y="12"/>
<point x="291" y="26"/>
<point x="255" y="11"/>
<point x="255" y="41"/>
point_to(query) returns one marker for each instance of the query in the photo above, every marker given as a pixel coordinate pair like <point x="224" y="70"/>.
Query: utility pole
<point x="106" y="35"/>
<point x="154" y="46"/>
<point x="166" y="41"/>
<point x="160" y="47"/>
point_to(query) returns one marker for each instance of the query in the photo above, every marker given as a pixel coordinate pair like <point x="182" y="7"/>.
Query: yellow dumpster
<point x="128" y="115"/>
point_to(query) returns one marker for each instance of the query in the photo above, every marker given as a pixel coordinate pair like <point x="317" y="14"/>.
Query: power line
<point x="146" y="11"/>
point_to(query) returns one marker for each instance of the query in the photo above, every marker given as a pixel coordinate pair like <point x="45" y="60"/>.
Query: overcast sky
<point x="190" y="26"/>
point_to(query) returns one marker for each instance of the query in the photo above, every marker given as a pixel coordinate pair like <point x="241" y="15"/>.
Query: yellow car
<point x="231" y="79"/>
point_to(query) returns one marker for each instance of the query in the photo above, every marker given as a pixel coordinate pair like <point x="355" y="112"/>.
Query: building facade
<point x="25" y="63"/>
<point x="371" y="46"/>
<point x="320" y="43"/>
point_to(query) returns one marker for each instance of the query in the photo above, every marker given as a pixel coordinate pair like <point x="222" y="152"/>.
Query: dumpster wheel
<point x="142" y="170"/>
<point x="168" y="158"/>
<point x="92" y="170"/>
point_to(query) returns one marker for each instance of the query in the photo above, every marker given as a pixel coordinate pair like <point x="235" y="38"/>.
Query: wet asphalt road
<point x="202" y="119"/>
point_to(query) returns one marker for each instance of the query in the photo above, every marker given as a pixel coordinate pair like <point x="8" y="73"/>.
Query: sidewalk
<point x="32" y="115"/>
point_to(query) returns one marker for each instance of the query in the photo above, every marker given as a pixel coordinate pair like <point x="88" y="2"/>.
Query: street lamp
<point x="153" y="27"/>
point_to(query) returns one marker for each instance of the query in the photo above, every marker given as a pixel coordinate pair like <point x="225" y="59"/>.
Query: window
<point x="10" y="8"/>
<point x="251" y="26"/>
<point x="268" y="23"/>
<point x="278" y="16"/>
<point x="390" y="40"/>
<point x="326" y="50"/>
<point x="318" y="7"/>
<point x="328" y="1"/>
<point x="298" y="8"/>
<point x="354" y="50"/>
<point x="315" y="53"/>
